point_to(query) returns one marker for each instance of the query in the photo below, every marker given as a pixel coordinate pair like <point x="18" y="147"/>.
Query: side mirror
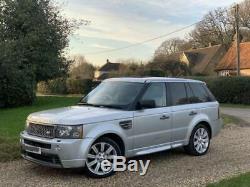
<point x="146" y="104"/>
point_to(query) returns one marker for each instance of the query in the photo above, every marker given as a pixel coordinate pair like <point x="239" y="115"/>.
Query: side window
<point x="156" y="92"/>
<point x="178" y="92"/>
<point x="200" y="93"/>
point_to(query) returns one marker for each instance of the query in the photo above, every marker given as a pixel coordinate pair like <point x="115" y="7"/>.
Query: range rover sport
<point x="123" y="116"/>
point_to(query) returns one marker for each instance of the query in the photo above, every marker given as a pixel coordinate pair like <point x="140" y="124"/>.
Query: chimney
<point x="210" y="44"/>
<point x="108" y="61"/>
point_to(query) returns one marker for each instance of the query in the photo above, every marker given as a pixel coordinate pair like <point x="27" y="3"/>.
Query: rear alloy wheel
<point x="101" y="150"/>
<point x="199" y="141"/>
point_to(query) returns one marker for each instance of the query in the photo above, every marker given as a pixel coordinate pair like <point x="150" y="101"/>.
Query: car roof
<point x="151" y="79"/>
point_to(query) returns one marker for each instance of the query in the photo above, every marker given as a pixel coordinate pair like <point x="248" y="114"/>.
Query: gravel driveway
<point x="229" y="155"/>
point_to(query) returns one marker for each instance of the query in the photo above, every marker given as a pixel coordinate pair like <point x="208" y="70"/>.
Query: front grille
<point x="37" y="144"/>
<point x="46" y="131"/>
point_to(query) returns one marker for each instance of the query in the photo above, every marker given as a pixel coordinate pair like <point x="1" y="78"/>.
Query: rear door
<point x="182" y="111"/>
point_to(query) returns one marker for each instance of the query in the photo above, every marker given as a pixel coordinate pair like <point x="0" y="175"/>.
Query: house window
<point x="224" y="73"/>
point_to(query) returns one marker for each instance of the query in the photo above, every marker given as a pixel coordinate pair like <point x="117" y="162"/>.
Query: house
<point x="104" y="71"/>
<point x="227" y="65"/>
<point x="202" y="61"/>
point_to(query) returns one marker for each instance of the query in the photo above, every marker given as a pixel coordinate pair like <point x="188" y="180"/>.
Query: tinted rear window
<point x="199" y="93"/>
<point x="178" y="92"/>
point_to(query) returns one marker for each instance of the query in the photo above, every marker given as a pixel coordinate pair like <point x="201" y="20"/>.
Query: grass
<point x="242" y="180"/>
<point x="234" y="105"/>
<point x="227" y="119"/>
<point x="12" y="122"/>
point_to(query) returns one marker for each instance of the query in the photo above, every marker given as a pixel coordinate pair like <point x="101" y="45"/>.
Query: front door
<point x="152" y="126"/>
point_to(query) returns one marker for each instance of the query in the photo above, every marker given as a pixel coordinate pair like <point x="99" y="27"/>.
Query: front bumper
<point x="58" y="153"/>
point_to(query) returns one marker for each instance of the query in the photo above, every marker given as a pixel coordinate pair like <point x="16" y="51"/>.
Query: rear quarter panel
<point x="207" y="112"/>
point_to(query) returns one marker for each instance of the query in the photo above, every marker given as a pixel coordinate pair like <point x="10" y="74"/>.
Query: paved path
<point x="242" y="113"/>
<point x="229" y="155"/>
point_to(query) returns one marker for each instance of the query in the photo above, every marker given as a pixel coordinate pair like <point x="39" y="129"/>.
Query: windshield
<point x="115" y="94"/>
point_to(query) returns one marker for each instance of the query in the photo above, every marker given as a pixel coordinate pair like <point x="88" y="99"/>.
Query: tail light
<point x="218" y="112"/>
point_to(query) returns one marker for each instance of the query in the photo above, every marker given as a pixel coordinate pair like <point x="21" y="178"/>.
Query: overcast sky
<point x="118" y="23"/>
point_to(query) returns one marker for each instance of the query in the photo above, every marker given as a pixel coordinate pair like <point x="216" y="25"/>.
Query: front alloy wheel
<point x="101" y="150"/>
<point x="199" y="141"/>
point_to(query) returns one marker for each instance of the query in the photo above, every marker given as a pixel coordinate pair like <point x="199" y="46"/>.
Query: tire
<point x="199" y="141"/>
<point x="102" y="149"/>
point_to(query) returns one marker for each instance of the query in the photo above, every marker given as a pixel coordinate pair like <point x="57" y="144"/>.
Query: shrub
<point x="234" y="90"/>
<point x="66" y="86"/>
<point x="17" y="88"/>
<point x="154" y="73"/>
<point x="55" y="86"/>
<point x="78" y="86"/>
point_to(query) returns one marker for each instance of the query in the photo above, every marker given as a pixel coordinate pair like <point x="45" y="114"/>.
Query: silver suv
<point x="123" y="116"/>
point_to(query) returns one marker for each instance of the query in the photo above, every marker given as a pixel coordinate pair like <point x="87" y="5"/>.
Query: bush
<point x="78" y="86"/>
<point x="234" y="90"/>
<point x="17" y="88"/>
<point x="66" y="86"/>
<point x="56" y="86"/>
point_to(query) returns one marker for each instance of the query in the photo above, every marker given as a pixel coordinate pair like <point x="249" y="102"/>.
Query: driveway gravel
<point x="229" y="155"/>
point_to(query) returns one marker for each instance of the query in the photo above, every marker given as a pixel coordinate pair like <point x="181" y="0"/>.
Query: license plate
<point x="32" y="149"/>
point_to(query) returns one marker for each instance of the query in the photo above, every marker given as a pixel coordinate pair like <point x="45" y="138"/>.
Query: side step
<point x="159" y="149"/>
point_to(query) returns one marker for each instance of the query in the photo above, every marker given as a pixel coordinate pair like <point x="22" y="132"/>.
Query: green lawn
<point x="242" y="180"/>
<point x="227" y="119"/>
<point x="12" y="122"/>
<point x="234" y="105"/>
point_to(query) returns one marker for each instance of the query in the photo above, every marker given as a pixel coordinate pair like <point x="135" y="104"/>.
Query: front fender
<point x="95" y="131"/>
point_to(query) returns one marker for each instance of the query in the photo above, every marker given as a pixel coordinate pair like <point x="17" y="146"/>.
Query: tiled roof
<point x="109" y="66"/>
<point x="204" y="60"/>
<point x="228" y="62"/>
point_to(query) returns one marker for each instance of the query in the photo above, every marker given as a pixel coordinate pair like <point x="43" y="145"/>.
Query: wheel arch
<point x="207" y="125"/>
<point x="115" y="137"/>
<point x="194" y="124"/>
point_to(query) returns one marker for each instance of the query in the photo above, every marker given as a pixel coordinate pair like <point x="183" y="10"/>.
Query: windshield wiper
<point x="87" y="104"/>
<point x="111" y="106"/>
<point x="104" y="106"/>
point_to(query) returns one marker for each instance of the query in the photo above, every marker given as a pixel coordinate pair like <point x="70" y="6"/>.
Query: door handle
<point x="164" y="117"/>
<point x="192" y="113"/>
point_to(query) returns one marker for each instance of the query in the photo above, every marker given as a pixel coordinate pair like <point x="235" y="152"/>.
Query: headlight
<point x="69" y="132"/>
<point x="27" y="124"/>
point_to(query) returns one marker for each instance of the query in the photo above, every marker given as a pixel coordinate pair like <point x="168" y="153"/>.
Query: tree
<point x="170" y="67"/>
<point x="33" y="36"/>
<point x="171" y="46"/>
<point x="129" y="67"/>
<point x="81" y="69"/>
<point x="244" y="19"/>
<point x="217" y="27"/>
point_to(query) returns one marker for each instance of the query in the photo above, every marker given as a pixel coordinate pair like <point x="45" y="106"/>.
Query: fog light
<point x="58" y="148"/>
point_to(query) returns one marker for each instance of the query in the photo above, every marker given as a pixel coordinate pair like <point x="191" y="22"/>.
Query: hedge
<point x="235" y="90"/>
<point x="66" y="86"/>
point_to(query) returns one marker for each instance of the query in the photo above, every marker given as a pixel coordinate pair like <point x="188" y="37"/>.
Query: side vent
<point x="126" y="124"/>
